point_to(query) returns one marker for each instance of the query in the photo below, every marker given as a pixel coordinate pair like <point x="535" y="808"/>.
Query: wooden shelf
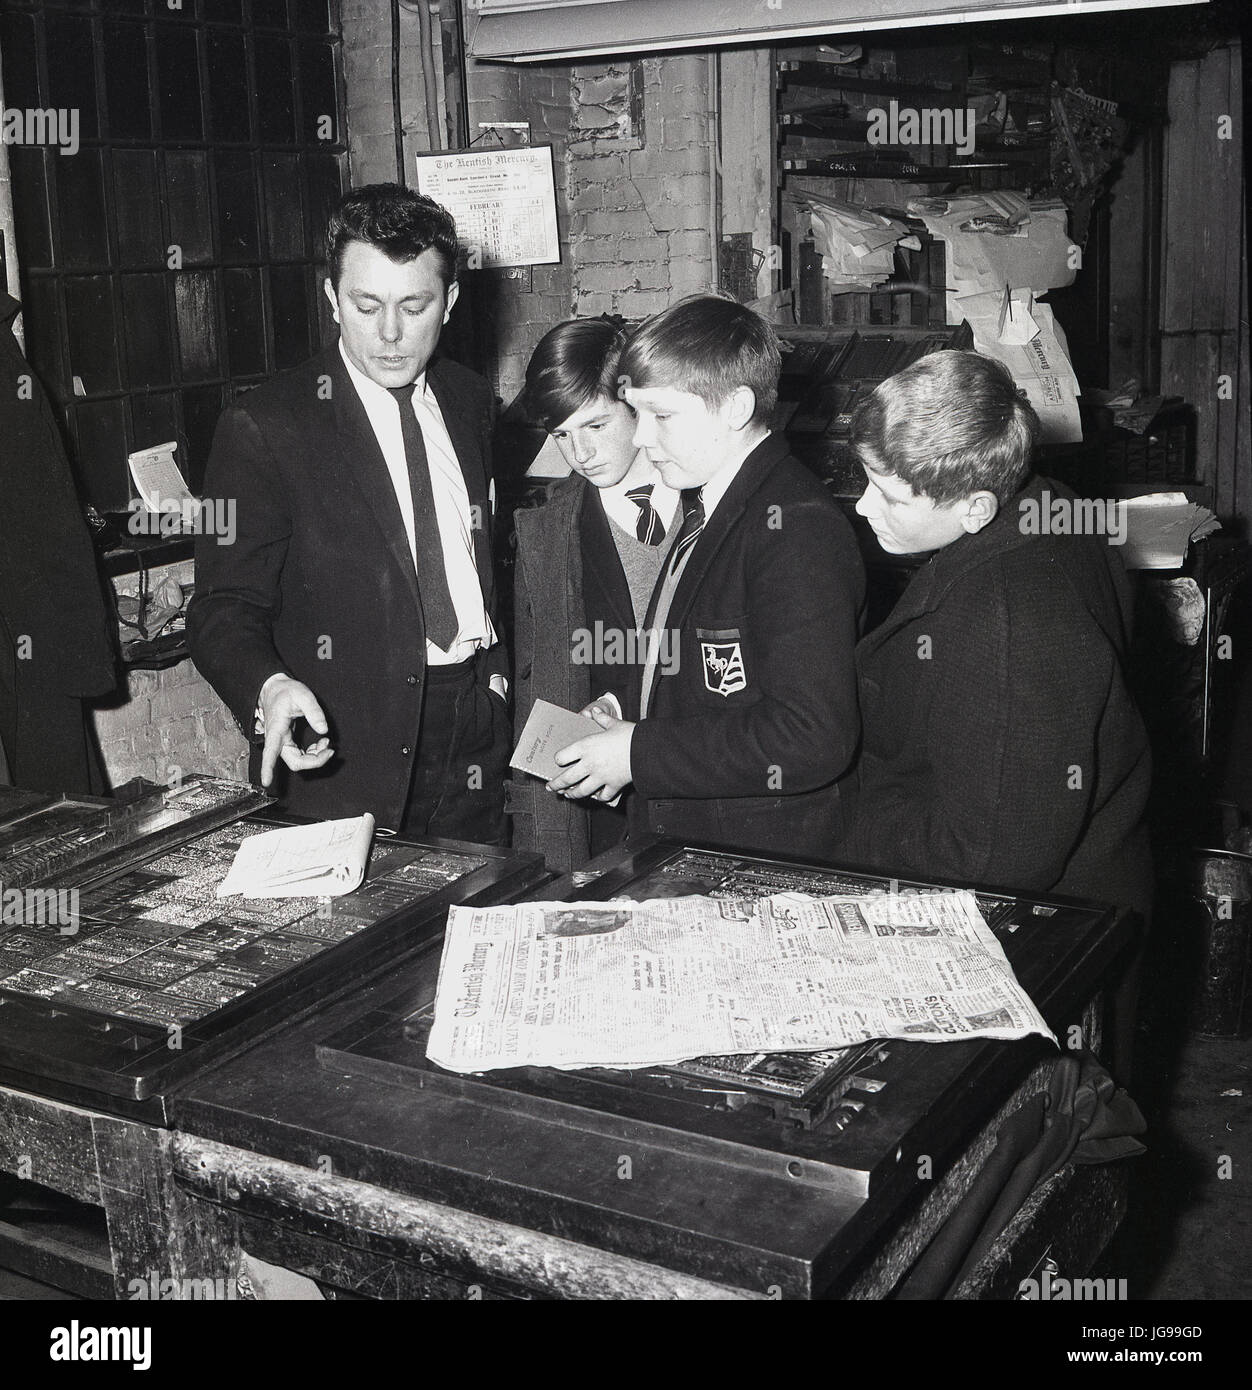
<point x="57" y="1242"/>
<point x="835" y="79"/>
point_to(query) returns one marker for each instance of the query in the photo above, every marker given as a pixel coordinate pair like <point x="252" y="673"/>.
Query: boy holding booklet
<point x="587" y="562"/>
<point x="743" y="732"/>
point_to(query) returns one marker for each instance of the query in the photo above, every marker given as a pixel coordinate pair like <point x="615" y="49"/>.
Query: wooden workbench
<point x="400" y="1191"/>
<point x="377" y="1185"/>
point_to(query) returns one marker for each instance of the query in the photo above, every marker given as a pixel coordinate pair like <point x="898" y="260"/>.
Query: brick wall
<point x="640" y="206"/>
<point x="168" y="720"/>
<point x="367" y="83"/>
<point x="632" y="174"/>
<point x="516" y="313"/>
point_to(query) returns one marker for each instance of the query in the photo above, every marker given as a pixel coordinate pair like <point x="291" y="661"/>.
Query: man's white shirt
<point x="452" y="512"/>
<point x="452" y="505"/>
<point x="719" y="485"/>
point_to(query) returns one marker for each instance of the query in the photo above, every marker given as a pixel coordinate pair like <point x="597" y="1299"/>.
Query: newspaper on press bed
<point x="634" y="984"/>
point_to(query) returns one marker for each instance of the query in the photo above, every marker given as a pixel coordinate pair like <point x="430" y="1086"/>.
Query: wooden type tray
<point x="156" y="978"/>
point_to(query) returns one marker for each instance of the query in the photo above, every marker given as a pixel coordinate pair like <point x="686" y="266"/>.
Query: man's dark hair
<point x="708" y="347"/>
<point x="952" y="424"/>
<point x="573" y="364"/>
<point x="400" y="222"/>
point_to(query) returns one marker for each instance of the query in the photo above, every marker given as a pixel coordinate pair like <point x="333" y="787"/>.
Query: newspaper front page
<point x="626" y="984"/>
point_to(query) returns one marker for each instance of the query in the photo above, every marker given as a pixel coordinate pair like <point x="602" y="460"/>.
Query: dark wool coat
<point x="320" y="582"/>
<point x="568" y="576"/>
<point x="1001" y="745"/>
<point x="57" y="635"/>
<point x="744" y="742"/>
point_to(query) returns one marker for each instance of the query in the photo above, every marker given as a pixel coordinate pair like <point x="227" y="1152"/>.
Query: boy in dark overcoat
<point x="587" y="561"/>
<point x="1001" y="745"/>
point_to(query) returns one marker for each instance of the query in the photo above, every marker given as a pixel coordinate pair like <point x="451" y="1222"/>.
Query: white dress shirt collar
<point x="453" y="512"/>
<point x="366" y="385"/>
<point x="719" y="484"/>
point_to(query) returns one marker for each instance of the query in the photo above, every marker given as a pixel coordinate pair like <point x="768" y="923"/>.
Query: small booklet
<point x="302" y="861"/>
<point x="548" y="729"/>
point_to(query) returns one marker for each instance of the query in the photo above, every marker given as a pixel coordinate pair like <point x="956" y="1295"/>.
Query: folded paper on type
<point x="302" y="861"/>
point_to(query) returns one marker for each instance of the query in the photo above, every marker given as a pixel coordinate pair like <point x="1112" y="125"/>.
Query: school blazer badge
<point x="722" y="659"/>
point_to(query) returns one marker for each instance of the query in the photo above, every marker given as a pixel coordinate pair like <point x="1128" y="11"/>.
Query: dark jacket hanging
<point x="56" y="638"/>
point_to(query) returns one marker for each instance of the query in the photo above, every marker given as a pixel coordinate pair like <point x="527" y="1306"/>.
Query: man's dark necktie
<point x="432" y="578"/>
<point x="648" y="527"/>
<point x="693" y="524"/>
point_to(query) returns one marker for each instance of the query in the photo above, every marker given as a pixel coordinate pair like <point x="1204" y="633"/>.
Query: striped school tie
<point x="693" y="524"/>
<point x="648" y="526"/>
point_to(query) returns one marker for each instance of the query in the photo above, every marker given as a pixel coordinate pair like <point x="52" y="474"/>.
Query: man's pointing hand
<point x="283" y="701"/>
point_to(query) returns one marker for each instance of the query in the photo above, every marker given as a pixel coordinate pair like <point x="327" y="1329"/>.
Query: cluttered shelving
<point x="935" y="190"/>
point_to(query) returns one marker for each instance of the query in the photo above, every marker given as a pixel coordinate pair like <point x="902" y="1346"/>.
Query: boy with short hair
<point x="746" y="729"/>
<point x="1001" y="745"/>
<point x="587" y="561"/>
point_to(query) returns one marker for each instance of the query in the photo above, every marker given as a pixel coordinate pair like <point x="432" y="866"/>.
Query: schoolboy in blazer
<point x="742" y="739"/>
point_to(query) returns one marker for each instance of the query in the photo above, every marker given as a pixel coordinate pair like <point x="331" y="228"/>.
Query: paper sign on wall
<point x="504" y="202"/>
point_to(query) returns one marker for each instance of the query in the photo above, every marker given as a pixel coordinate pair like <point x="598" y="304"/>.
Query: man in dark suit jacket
<point x="742" y="739"/>
<point x="358" y="594"/>
<point x="1001" y="745"/>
